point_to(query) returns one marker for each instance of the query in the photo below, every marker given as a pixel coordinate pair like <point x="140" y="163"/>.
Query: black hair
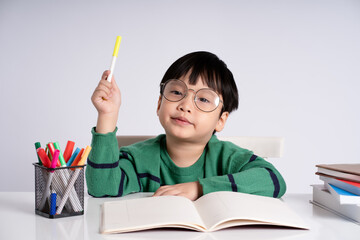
<point x="212" y="70"/>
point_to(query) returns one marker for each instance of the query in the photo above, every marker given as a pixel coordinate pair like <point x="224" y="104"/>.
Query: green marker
<point x="61" y="157"/>
<point x="38" y="145"/>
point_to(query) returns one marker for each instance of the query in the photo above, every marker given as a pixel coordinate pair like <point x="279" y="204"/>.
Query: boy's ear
<point x="221" y="122"/>
<point x="158" y="106"/>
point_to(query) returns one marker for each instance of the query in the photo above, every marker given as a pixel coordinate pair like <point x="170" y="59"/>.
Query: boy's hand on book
<point x="106" y="97"/>
<point x="190" y="190"/>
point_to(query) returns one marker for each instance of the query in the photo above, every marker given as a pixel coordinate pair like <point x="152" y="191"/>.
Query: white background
<point x="296" y="64"/>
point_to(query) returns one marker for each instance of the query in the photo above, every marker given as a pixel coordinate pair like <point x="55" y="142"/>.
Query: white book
<point x="342" y="196"/>
<point x="211" y="212"/>
<point x="322" y="198"/>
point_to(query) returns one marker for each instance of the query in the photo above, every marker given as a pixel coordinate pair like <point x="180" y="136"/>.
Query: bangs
<point x="199" y="65"/>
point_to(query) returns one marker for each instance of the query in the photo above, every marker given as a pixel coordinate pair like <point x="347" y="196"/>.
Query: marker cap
<point x="117" y="45"/>
<point x="84" y="156"/>
<point x="38" y="145"/>
<point x="43" y="157"/>
<point x="68" y="150"/>
<point x="55" y="158"/>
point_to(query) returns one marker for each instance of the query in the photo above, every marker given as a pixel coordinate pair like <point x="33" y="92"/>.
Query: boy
<point x="197" y="94"/>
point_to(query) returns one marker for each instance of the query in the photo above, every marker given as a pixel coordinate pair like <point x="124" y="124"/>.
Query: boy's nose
<point x="187" y="103"/>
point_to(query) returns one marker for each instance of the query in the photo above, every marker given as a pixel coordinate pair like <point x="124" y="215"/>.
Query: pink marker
<point x="55" y="159"/>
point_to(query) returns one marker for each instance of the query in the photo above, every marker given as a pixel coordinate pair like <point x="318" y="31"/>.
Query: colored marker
<point x="73" y="180"/>
<point x="43" y="157"/>
<point x="115" y="54"/>
<point x="46" y="192"/>
<point x="55" y="159"/>
<point x="53" y="204"/>
<point x="71" y="160"/>
<point x="51" y="148"/>
<point x="77" y="159"/>
<point x="84" y="156"/>
<point x="68" y="150"/>
<point x="61" y="157"/>
<point x="38" y="145"/>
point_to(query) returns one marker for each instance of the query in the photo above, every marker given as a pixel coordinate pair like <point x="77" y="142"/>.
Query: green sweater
<point x="145" y="166"/>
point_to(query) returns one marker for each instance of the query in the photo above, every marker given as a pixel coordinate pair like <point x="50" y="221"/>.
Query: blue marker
<point x="53" y="204"/>
<point x="68" y="164"/>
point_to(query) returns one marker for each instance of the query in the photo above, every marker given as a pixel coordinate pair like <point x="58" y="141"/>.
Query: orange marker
<point x="77" y="159"/>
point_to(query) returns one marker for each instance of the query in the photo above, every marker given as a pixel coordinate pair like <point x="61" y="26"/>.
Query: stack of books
<point x="340" y="192"/>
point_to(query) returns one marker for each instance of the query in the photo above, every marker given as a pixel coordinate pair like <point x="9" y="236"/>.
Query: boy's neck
<point x="182" y="153"/>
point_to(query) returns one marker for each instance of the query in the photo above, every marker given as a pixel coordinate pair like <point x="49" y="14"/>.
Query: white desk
<point x="19" y="221"/>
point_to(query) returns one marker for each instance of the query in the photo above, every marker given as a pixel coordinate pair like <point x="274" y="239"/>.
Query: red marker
<point x="51" y="148"/>
<point x="68" y="150"/>
<point x="43" y="157"/>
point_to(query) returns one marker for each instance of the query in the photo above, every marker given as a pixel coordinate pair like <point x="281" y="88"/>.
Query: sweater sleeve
<point x="247" y="173"/>
<point x="109" y="172"/>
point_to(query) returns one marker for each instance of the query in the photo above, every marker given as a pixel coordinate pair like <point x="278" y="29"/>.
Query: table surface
<point x="19" y="221"/>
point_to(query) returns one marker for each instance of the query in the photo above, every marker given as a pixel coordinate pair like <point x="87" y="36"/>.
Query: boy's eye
<point x="175" y="92"/>
<point x="203" y="100"/>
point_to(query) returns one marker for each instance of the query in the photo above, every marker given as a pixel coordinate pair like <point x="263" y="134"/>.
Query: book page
<point x="149" y="212"/>
<point x="225" y="207"/>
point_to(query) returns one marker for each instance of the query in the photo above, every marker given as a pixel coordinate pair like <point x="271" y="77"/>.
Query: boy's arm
<point x="257" y="176"/>
<point x="107" y="174"/>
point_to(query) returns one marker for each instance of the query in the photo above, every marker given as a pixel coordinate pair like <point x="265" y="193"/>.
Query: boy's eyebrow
<point x="207" y="87"/>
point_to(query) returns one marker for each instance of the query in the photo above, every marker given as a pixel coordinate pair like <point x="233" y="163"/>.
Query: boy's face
<point x="183" y="120"/>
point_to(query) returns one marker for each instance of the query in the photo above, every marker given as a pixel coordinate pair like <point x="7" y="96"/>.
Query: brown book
<point x="350" y="172"/>
<point x="333" y="177"/>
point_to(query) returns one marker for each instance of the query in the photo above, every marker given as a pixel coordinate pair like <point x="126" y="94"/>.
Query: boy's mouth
<point x="181" y="120"/>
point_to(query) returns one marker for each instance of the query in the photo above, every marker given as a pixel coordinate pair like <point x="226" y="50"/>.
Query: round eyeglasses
<point x="205" y="99"/>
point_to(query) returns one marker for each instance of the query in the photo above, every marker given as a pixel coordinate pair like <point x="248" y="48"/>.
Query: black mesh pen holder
<point x="59" y="192"/>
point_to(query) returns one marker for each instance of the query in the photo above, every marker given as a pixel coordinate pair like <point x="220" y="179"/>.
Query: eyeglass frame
<point x="195" y="93"/>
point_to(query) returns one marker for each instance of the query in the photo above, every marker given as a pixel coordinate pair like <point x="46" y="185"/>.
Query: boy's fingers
<point x="105" y="83"/>
<point x="160" y="191"/>
<point x="105" y="74"/>
<point x="99" y="94"/>
<point x="167" y="190"/>
<point x="104" y="80"/>
<point x="103" y="88"/>
<point x="102" y="91"/>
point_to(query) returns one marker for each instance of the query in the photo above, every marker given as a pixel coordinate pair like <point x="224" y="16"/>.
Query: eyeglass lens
<point x="205" y="99"/>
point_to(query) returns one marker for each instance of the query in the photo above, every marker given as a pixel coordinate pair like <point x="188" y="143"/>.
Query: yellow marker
<point x="115" y="54"/>
<point x="84" y="156"/>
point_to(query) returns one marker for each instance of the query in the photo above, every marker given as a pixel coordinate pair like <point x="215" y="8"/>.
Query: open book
<point x="210" y="212"/>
